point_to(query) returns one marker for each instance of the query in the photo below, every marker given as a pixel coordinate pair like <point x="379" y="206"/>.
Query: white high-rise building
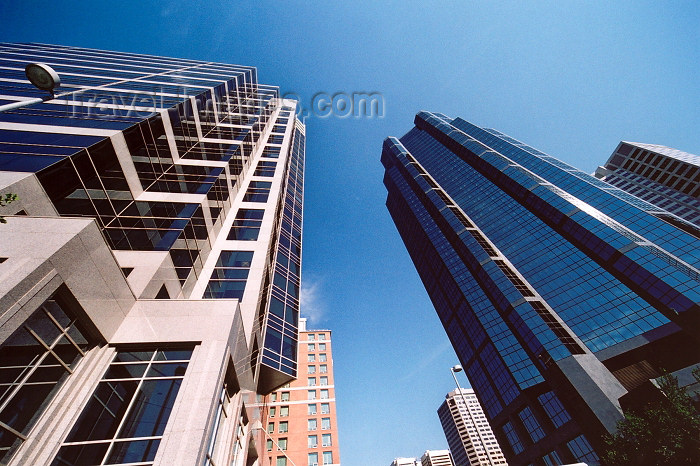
<point x="151" y="265"/>
<point x="436" y="458"/>
<point x="468" y="433"/>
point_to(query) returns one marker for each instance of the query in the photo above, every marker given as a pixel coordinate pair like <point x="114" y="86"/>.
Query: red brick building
<point x="301" y="422"/>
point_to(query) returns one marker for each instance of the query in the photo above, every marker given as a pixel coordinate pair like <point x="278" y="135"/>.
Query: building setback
<point x="561" y="295"/>
<point x="667" y="178"/>
<point x="468" y="433"/>
<point x="151" y="265"/>
<point x="301" y="417"/>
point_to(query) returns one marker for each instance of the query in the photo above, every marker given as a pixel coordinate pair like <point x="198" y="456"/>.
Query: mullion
<point x="128" y="409"/>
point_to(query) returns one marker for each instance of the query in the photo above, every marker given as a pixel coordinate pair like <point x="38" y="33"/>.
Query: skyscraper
<point x="561" y="295"/>
<point x="151" y="265"/>
<point x="468" y="433"/>
<point x="667" y="178"/>
<point x="301" y="417"/>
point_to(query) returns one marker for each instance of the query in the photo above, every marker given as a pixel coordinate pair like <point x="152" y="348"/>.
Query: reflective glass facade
<point x="542" y="275"/>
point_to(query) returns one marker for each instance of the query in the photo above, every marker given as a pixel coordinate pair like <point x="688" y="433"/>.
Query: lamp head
<point x="42" y="76"/>
<point x="456" y="368"/>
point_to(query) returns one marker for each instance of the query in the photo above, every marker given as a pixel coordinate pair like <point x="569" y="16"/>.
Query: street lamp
<point x="454" y="369"/>
<point x="42" y="77"/>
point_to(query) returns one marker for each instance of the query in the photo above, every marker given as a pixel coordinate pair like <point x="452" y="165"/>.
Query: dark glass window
<point x="555" y="410"/>
<point x="133" y="401"/>
<point x="258" y="191"/>
<point x="265" y="168"/>
<point x="246" y="226"/>
<point x="582" y="450"/>
<point x="229" y="277"/>
<point x="34" y="361"/>
<point x="513" y="438"/>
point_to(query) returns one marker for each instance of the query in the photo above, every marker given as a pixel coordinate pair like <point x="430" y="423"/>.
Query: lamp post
<point x="42" y="77"/>
<point x="454" y="369"/>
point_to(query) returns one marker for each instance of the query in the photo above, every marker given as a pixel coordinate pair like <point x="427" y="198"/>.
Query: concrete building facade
<point x="467" y="430"/>
<point x="436" y="458"/>
<point x="561" y="294"/>
<point x="151" y="265"/>
<point x="667" y="178"/>
<point x="301" y="417"/>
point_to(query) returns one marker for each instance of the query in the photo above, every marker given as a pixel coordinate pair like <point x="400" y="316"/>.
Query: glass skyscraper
<point x="151" y="265"/>
<point x="562" y="295"/>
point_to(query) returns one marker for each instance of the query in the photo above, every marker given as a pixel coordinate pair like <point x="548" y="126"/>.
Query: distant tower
<point x="405" y="462"/>
<point x="301" y="416"/>
<point x="436" y="458"/>
<point x="669" y="179"/>
<point x="468" y="433"/>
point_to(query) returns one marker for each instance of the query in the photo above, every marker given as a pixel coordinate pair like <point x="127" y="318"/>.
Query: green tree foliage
<point x="4" y="200"/>
<point x="665" y="432"/>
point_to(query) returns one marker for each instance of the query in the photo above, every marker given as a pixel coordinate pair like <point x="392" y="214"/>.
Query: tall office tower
<point x="436" y="458"/>
<point x="301" y="421"/>
<point x="561" y="296"/>
<point x="468" y="433"/>
<point x="668" y="179"/>
<point x="150" y="273"/>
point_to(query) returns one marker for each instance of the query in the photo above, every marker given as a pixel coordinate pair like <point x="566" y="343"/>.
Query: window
<point x="322" y="347"/>
<point x="312" y="441"/>
<point x="34" y="362"/>
<point x="258" y="191"/>
<point x="312" y="347"/>
<point x="322" y="357"/>
<point x="133" y="400"/>
<point x="270" y="427"/>
<point x="229" y="276"/>
<point x="283" y="427"/>
<point x="324" y="380"/>
<point x="284" y="411"/>
<point x="324" y="394"/>
<point x="273" y="411"/>
<point x="323" y="368"/>
<point x="311" y="337"/>
<point x="513" y="438"/>
<point x="321" y="336"/>
<point x="582" y="450"/>
<point x="269" y="445"/>
<point x="552" y="459"/>
<point x="282" y="444"/>
<point x="325" y="423"/>
<point x="311" y="381"/>
<point x="325" y="408"/>
<point x="326" y="440"/>
<point x="327" y="457"/>
<point x="531" y="424"/>
<point x="311" y="409"/>
<point x="285" y="396"/>
<point x="273" y="397"/>
<point x="311" y="395"/>
<point x="281" y="461"/>
<point x="313" y="459"/>
<point x="265" y="168"/>
<point x="246" y="226"/>
<point x="310" y="357"/>
<point x="312" y="424"/>
<point x="555" y="410"/>
<point x="312" y="369"/>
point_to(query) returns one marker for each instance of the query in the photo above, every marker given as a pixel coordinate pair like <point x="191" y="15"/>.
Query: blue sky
<point x="569" y="78"/>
